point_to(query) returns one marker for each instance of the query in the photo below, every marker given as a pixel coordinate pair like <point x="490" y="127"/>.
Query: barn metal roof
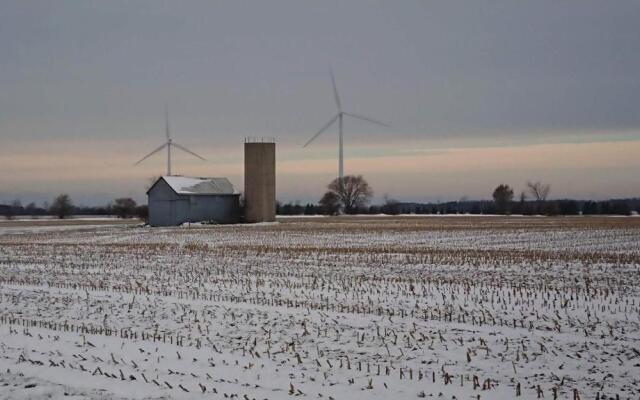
<point x="202" y="186"/>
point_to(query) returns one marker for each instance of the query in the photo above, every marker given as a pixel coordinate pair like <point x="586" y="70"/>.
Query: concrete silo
<point x="260" y="179"/>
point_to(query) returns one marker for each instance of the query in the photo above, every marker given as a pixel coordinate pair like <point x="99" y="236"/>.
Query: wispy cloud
<point x="574" y="169"/>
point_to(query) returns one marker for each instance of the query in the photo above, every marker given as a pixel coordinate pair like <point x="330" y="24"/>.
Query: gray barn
<point x="174" y="200"/>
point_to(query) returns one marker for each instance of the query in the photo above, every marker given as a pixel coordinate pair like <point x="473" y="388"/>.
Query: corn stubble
<point x="335" y="308"/>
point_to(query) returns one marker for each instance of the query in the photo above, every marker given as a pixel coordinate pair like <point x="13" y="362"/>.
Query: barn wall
<point x="222" y="209"/>
<point x="162" y="208"/>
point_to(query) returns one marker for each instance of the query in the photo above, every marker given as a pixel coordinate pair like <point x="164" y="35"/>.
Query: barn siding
<point x="219" y="208"/>
<point x="161" y="207"/>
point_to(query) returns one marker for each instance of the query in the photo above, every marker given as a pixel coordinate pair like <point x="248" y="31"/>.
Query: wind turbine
<point x="339" y="117"/>
<point x="168" y="145"/>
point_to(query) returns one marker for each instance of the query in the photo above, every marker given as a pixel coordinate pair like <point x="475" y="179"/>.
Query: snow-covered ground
<point x="30" y="218"/>
<point x="342" y="308"/>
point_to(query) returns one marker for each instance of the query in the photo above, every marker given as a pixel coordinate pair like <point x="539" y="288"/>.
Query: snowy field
<point x="323" y="308"/>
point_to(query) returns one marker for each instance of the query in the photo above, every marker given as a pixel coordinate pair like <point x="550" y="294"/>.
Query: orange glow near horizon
<point x="601" y="169"/>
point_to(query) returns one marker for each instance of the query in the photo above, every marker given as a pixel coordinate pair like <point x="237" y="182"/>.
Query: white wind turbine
<point x="168" y="145"/>
<point x="339" y="117"/>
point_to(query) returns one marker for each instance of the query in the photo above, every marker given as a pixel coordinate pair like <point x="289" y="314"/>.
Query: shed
<point x="174" y="200"/>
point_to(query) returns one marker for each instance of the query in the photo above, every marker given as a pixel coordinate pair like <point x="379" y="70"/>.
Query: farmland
<point x="331" y="308"/>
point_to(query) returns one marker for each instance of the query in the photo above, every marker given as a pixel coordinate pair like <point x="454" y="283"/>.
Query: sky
<point x="476" y="93"/>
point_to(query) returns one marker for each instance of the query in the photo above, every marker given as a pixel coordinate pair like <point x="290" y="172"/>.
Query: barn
<point x="174" y="200"/>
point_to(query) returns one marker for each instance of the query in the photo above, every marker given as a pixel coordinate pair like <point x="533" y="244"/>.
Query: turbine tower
<point x="339" y="117"/>
<point x="168" y="145"/>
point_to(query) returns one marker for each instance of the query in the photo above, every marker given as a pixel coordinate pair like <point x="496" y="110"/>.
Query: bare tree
<point x="538" y="190"/>
<point x="523" y="203"/>
<point x="351" y="193"/>
<point x="62" y="206"/>
<point x="390" y="205"/>
<point x="31" y="209"/>
<point x="124" y="207"/>
<point x="17" y="205"/>
<point x="142" y="212"/>
<point x="502" y="196"/>
<point x="7" y="211"/>
<point x="13" y="209"/>
<point x="330" y="203"/>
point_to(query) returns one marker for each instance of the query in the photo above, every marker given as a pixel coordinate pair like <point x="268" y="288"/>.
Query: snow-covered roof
<point x="189" y="185"/>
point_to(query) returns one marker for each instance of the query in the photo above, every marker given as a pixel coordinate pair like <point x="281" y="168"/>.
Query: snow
<point x="347" y="309"/>
<point x="50" y="218"/>
<point x="188" y="185"/>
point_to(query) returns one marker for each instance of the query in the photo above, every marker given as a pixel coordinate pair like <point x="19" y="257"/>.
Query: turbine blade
<point x="188" y="151"/>
<point x="150" y="154"/>
<point x="166" y="121"/>
<point x="335" y="90"/>
<point x="373" y="121"/>
<point x="324" y="128"/>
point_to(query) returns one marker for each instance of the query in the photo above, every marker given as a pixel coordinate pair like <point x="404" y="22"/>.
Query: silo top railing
<point x="261" y="139"/>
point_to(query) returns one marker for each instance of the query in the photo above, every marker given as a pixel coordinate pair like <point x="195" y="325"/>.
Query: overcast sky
<point x="477" y="93"/>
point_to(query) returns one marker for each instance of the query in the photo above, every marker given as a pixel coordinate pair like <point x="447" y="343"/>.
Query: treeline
<point x="351" y="195"/>
<point x="478" y="207"/>
<point x="62" y="207"/>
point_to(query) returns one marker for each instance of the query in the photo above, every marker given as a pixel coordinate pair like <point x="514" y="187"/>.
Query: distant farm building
<point x="174" y="200"/>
